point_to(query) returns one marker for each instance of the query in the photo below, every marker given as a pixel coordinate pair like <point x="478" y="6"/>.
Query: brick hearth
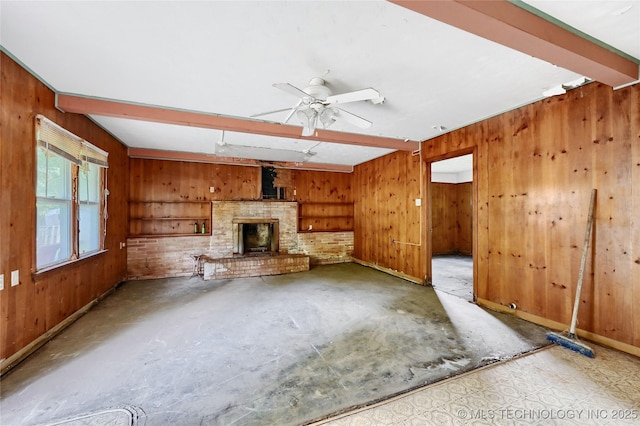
<point x="254" y="266"/>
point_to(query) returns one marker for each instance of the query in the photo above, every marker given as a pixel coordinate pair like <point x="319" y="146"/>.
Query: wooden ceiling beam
<point x="505" y="23"/>
<point x="158" y="154"/>
<point x="120" y="109"/>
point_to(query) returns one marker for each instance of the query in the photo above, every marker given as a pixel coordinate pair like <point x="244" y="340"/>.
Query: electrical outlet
<point x="15" y="278"/>
<point x="1" y="281"/>
<point x="418" y="202"/>
<point x="212" y="189"/>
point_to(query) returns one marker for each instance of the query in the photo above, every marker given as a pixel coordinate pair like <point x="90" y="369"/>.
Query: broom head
<point x="571" y="343"/>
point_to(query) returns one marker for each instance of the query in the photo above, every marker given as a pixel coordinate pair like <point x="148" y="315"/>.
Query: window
<point x="70" y="196"/>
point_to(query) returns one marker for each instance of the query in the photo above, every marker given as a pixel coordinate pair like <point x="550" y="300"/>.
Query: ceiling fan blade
<point x="292" y="90"/>
<point x="274" y="112"/>
<point x="358" y="95"/>
<point x="293" y="111"/>
<point x="353" y="119"/>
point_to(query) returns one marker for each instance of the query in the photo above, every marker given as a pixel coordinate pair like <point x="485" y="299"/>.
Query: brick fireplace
<point x="228" y="216"/>
<point x="254" y="238"/>
<point x="174" y="256"/>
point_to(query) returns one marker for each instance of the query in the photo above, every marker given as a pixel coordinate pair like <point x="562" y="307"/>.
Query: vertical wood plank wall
<point x="536" y="166"/>
<point x="451" y="211"/>
<point x="323" y="187"/>
<point x="40" y="302"/>
<point x="162" y="180"/>
<point x="390" y="230"/>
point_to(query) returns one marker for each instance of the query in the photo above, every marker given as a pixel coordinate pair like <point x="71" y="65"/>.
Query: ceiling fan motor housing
<point x="317" y="89"/>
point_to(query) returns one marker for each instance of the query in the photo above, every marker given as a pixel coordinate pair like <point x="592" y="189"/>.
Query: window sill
<point x="40" y="272"/>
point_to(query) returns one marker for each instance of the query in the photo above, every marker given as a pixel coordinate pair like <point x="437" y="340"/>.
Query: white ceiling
<point x="222" y="57"/>
<point x="453" y="170"/>
<point x="453" y="165"/>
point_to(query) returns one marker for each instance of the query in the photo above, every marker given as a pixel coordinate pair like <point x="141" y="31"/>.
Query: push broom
<point x="569" y="340"/>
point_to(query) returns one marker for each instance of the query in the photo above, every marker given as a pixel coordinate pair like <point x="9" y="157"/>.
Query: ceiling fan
<point x="316" y="105"/>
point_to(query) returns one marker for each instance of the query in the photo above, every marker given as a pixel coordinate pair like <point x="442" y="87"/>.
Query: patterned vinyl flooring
<point x="552" y="386"/>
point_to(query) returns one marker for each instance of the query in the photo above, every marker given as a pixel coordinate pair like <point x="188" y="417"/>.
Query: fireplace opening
<point x="256" y="236"/>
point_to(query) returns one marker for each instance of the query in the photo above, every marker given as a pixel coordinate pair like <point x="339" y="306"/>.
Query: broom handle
<point x="583" y="262"/>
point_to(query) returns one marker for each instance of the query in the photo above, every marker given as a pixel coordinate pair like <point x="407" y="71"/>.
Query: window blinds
<point x="64" y="143"/>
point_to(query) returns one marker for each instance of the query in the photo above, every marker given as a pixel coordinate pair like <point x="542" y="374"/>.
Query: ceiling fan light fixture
<point x="327" y="117"/>
<point x="316" y="104"/>
<point x="308" y="118"/>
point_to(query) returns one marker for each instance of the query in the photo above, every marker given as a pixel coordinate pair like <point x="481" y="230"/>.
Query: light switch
<point x="1" y="281"/>
<point x="418" y="202"/>
<point x="15" y="278"/>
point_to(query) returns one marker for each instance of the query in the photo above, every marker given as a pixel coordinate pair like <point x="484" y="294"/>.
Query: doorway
<point x="452" y="226"/>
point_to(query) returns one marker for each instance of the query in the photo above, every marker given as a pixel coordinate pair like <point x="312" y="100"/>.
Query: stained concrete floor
<point x="278" y="350"/>
<point x="453" y="274"/>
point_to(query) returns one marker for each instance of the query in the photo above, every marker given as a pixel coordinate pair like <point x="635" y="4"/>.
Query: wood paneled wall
<point x="390" y="230"/>
<point x="40" y="302"/>
<point x="536" y="167"/>
<point x="322" y="187"/>
<point x="162" y="180"/>
<point x="451" y="213"/>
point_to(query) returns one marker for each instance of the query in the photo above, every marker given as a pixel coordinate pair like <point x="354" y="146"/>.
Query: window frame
<point x="100" y="190"/>
<point x="55" y="140"/>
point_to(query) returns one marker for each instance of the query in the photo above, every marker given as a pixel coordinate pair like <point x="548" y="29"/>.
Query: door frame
<point x="474" y="218"/>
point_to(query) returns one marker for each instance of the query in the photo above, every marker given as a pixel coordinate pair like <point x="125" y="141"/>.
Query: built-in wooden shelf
<point x="322" y="217"/>
<point x="168" y="235"/>
<point x="169" y="218"/>
<point x="325" y="217"/>
<point x="314" y="231"/>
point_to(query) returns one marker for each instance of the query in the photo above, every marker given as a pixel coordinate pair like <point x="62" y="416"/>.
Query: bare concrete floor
<point x="279" y="350"/>
<point x="453" y="274"/>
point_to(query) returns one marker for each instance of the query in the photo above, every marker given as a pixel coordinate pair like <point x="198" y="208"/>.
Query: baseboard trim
<point x="554" y="325"/>
<point x="8" y="363"/>
<point x="389" y="271"/>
